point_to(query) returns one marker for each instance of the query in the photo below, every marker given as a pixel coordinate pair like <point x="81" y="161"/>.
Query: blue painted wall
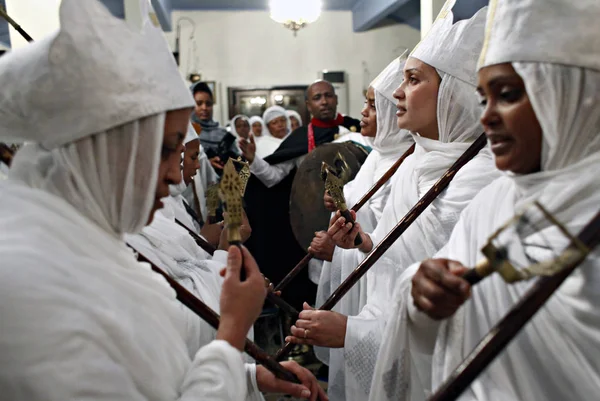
<point x="4" y="36"/>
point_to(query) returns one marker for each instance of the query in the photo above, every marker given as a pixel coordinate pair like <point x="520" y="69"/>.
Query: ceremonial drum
<point x="307" y="211"/>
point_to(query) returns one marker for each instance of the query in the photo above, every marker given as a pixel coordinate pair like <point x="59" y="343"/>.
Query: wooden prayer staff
<point x="17" y="27"/>
<point x="503" y="333"/>
<point x="202" y="243"/>
<point x="385" y="178"/>
<point x="397" y="231"/>
<point x="212" y="318"/>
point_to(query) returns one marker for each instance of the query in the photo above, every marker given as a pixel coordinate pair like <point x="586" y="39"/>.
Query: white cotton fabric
<point x="109" y="177"/>
<point x="389" y="144"/>
<point x="458" y="127"/>
<point x="78" y="310"/>
<point x="561" y="363"/>
<point x="170" y="247"/>
<point x="93" y="52"/>
<point x="570" y="32"/>
<point x="296" y="115"/>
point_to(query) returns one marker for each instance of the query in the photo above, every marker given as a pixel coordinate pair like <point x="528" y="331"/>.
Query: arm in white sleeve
<point x="254" y="393"/>
<point x="271" y="175"/>
<point x="217" y="373"/>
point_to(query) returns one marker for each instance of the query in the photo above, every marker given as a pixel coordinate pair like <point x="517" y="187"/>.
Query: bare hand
<point x="318" y="327"/>
<point x="241" y="301"/>
<point x="216" y="163"/>
<point x="310" y="389"/>
<point x="248" y="148"/>
<point x="437" y="288"/>
<point x="322" y="246"/>
<point x="343" y="233"/>
<point x="212" y="233"/>
<point x="328" y="202"/>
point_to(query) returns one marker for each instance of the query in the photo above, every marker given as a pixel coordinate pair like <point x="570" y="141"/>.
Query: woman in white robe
<point x="388" y="144"/>
<point x="455" y="123"/>
<point x="277" y="127"/>
<point x="71" y="290"/>
<point x="542" y="117"/>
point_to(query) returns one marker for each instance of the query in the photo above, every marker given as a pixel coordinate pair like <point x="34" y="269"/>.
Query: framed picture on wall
<point x="213" y="87"/>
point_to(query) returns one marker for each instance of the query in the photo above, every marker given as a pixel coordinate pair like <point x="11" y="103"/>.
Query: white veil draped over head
<point x="566" y="102"/>
<point x="296" y="115"/>
<point x="110" y="177"/>
<point x="458" y="127"/>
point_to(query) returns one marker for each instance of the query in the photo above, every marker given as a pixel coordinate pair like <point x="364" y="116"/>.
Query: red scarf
<point x="339" y="120"/>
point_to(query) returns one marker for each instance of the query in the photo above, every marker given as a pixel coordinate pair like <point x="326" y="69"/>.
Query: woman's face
<point x="368" y="124"/>
<point x="510" y="123"/>
<point x="204" y="106"/>
<point x="242" y="127"/>
<point x="417" y="99"/>
<point x="295" y="123"/>
<point x="257" y="129"/>
<point x="169" y="169"/>
<point x="278" y="127"/>
<point x="191" y="160"/>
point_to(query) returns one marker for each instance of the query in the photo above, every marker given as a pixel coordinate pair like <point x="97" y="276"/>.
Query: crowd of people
<point x="116" y="161"/>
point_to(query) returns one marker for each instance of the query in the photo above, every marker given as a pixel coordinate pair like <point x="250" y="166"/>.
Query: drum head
<point x="307" y="212"/>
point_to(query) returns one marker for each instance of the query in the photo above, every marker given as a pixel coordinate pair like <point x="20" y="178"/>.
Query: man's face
<point x="322" y="101"/>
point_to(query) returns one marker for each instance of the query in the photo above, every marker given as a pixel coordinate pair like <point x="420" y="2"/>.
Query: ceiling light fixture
<point x="295" y="14"/>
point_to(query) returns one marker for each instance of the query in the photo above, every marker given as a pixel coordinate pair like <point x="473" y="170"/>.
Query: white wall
<point x="37" y="18"/>
<point x="247" y="48"/>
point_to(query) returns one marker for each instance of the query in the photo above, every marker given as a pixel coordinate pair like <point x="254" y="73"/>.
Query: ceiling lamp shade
<point x="295" y="14"/>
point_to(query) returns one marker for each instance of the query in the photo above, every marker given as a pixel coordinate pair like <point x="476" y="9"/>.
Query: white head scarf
<point x="178" y="189"/>
<point x="296" y="115"/>
<point x="566" y="103"/>
<point x="265" y="131"/>
<point x="234" y="119"/>
<point x="110" y="177"/>
<point x="274" y="112"/>
<point x="458" y="127"/>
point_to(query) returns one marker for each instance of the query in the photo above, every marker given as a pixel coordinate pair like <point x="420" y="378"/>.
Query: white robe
<point x="352" y="366"/>
<point x="82" y="318"/>
<point x="171" y="248"/>
<point x="205" y="177"/>
<point x="557" y="354"/>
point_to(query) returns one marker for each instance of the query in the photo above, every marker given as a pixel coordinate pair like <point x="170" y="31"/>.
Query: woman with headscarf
<point x="80" y="316"/>
<point x="295" y="119"/>
<point x="170" y="247"/>
<point x="278" y="127"/>
<point x="435" y="103"/>
<point x="257" y="126"/>
<point x="215" y="140"/>
<point x="240" y="126"/>
<point x="541" y="114"/>
<point x="388" y="142"/>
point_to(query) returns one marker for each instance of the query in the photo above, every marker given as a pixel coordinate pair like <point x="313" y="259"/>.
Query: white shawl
<point x="557" y="355"/>
<point x="77" y="310"/>
<point x="458" y="127"/>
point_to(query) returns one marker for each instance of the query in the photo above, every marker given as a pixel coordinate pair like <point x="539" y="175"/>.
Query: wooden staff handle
<point x="397" y="231"/>
<point x="271" y="296"/>
<point x="502" y="334"/>
<point x="16" y="26"/>
<point x="212" y="318"/>
<point x="366" y="197"/>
